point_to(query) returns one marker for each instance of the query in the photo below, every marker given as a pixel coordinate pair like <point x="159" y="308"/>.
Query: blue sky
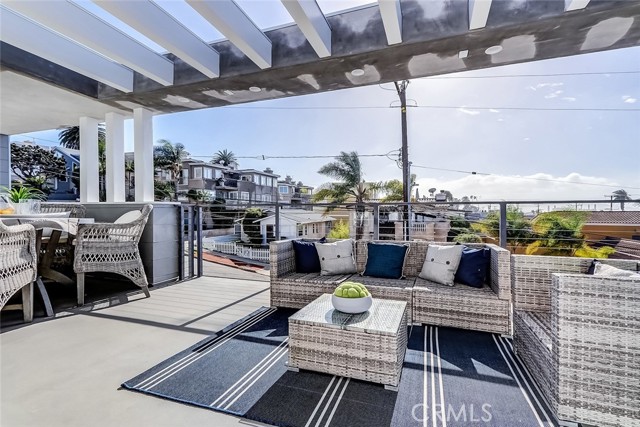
<point x="599" y="149"/>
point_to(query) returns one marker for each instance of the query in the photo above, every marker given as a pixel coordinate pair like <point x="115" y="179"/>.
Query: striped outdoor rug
<point x="450" y="378"/>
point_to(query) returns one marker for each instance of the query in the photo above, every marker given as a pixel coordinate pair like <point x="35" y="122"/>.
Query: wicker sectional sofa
<point x="579" y="337"/>
<point x="486" y="309"/>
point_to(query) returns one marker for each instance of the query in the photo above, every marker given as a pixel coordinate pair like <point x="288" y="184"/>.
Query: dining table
<point x="53" y="229"/>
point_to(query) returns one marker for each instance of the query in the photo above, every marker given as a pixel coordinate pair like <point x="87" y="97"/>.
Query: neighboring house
<point x="296" y="223"/>
<point x="294" y="193"/>
<point x="618" y="229"/>
<point x="252" y="186"/>
<point x="207" y="177"/>
<point x="63" y="188"/>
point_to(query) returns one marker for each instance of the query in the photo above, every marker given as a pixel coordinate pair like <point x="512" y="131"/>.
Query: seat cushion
<point x="316" y="278"/>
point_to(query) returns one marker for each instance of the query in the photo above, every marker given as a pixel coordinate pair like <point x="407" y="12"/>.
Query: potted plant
<point x="22" y="198"/>
<point x="352" y="298"/>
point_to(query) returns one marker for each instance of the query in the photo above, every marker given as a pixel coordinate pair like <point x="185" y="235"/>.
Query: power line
<point x="595" y="73"/>
<point x="440" y="107"/>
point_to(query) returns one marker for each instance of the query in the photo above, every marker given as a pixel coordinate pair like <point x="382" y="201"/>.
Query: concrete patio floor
<point x="67" y="371"/>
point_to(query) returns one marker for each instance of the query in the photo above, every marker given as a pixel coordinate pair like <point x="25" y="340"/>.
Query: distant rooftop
<point x="622" y="217"/>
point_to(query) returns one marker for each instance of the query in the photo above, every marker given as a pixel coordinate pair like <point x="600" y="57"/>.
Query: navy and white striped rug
<point x="450" y="378"/>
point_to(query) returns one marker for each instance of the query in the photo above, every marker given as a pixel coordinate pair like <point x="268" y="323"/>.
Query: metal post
<point x="409" y="221"/>
<point x="190" y="247"/>
<point x="401" y="88"/>
<point x="199" y="240"/>
<point x="503" y="224"/>
<point x="181" y="239"/>
<point x="277" y="220"/>
<point x="376" y="222"/>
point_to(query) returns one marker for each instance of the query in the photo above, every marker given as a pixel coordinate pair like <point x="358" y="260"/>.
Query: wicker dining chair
<point x="112" y="248"/>
<point x="18" y="265"/>
<point x="76" y="209"/>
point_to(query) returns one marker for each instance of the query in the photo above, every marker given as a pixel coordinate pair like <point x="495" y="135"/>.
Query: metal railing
<point x="190" y="232"/>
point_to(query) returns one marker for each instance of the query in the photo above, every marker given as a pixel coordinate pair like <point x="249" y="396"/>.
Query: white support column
<point x="89" y="178"/>
<point x="5" y="161"/>
<point x="143" y="147"/>
<point x="115" y="157"/>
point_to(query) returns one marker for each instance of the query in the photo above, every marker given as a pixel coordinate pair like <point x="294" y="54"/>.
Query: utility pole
<point x="401" y="88"/>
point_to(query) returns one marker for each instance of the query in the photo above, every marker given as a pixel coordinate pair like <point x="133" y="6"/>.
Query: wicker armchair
<point x="578" y="335"/>
<point x="76" y="209"/>
<point x="18" y="262"/>
<point x="64" y="249"/>
<point x="112" y="248"/>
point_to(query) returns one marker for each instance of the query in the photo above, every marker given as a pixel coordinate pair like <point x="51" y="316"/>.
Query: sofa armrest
<point x="500" y="271"/>
<point x="281" y="258"/>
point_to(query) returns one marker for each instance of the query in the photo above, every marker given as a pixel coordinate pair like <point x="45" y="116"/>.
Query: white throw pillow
<point x="336" y="257"/>
<point x="441" y="263"/>
<point x="611" y="271"/>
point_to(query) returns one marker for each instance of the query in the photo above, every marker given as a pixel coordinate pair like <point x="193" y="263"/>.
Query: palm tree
<point x="224" y="157"/>
<point x="395" y="190"/>
<point x="129" y="169"/>
<point x="169" y="157"/>
<point x="622" y="196"/>
<point x="350" y="185"/>
<point x="70" y="137"/>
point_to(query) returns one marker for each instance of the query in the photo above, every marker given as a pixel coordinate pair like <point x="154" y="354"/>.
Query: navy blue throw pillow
<point x="473" y="267"/>
<point x="385" y="260"/>
<point x="307" y="260"/>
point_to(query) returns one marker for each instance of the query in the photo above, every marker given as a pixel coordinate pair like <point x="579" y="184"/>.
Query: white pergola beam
<point x="143" y="154"/>
<point x="28" y="35"/>
<point x="155" y="23"/>
<point x="235" y="25"/>
<point x="71" y="20"/>
<point x="89" y="178"/>
<point x="114" y="176"/>
<point x="312" y="23"/>
<point x="391" y="19"/>
<point x="575" y="4"/>
<point x="478" y="13"/>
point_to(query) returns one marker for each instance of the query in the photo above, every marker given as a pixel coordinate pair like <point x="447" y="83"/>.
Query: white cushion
<point x="609" y="270"/>
<point x="441" y="263"/>
<point x="336" y="257"/>
<point x="128" y="217"/>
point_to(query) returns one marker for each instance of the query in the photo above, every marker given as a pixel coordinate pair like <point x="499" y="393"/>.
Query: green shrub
<point x="340" y="230"/>
<point x="467" y="238"/>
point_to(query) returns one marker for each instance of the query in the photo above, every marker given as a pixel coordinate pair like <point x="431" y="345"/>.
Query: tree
<point x="394" y="189"/>
<point x="622" y="196"/>
<point x="36" y="165"/>
<point x="224" y="158"/>
<point x="340" y="230"/>
<point x="350" y="185"/>
<point x="70" y="137"/>
<point x="518" y="226"/>
<point x="129" y="169"/>
<point x="559" y="233"/>
<point x="169" y="157"/>
<point x="162" y="190"/>
<point x="252" y="228"/>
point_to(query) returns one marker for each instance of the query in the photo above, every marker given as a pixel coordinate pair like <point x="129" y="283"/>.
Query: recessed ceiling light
<point x="493" y="50"/>
<point x="463" y="54"/>
<point x="357" y="72"/>
<point x="255" y="89"/>
<point x="227" y="92"/>
<point x="183" y="99"/>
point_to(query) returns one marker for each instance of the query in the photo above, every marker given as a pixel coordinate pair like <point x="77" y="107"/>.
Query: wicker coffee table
<point x="368" y="346"/>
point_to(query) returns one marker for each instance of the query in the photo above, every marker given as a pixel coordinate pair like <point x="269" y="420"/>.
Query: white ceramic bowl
<point x="351" y="305"/>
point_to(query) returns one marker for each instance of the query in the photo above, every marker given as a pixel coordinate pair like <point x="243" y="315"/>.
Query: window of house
<point x="208" y="173"/>
<point x="266" y="197"/>
<point x="299" y="230"/>
<point x="315" y="228"/>
<point x="244" y="195"/>
<point x="185" y="176"/>
<point x="197" y="173"/>
<point x="306" y="230"/>
<point x="283" y="189"/>
<point x="216" y="174"/>
<point x="233" y="195"/>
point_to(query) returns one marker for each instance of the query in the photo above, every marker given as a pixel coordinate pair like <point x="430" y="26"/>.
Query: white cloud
<point x="629" y="99"/>
<point x="569" y="99"/>
<point x="493" y="110"/>
<point x="526" y="139"/>
<point x="539" y="186"/>
<point x="469" y="112"/>
<point x="542" y="85"/>
<point x="554" y="94"/>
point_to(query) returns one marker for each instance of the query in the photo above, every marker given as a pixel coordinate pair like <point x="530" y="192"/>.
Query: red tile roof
<point x="625" y="218"/>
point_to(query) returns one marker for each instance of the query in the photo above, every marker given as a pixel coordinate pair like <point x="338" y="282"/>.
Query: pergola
<point x="62" y="65"/>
